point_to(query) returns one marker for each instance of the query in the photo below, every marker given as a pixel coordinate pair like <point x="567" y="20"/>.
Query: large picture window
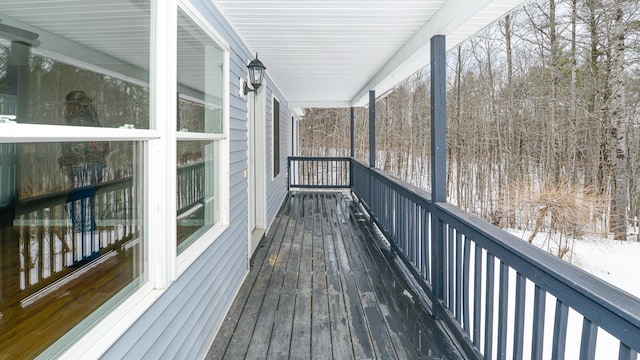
<point x="85" y="227"/>
<point x="201" y="130"/>
<point x="72" y="239"/>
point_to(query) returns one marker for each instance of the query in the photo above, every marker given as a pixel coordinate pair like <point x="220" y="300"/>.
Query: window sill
<point x="193" y="252"/>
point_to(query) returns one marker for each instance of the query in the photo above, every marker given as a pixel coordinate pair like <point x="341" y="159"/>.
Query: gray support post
<point x="438" y="120"/>
<point x="438" y="162"/>
<point x="352" y="138"/>
<point x="372" y="128"/>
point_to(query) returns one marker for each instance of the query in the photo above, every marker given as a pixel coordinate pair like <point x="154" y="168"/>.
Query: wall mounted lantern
<point x="256" y="74"/>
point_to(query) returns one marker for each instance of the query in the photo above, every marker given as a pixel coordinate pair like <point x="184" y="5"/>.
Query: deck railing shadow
<point x="499" y="296"/>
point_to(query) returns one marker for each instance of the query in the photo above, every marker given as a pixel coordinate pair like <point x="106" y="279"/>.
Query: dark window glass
<point x="276" y="138"/>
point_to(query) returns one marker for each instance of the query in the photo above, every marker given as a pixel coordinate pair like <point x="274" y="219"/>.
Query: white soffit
<point x="330" y="53"/>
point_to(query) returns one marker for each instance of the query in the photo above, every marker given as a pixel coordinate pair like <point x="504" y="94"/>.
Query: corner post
<point x="372" y="128"/>
<point x="438" y="160"/>
<point x="352" y="136"/>
<point x="353" y="148"/>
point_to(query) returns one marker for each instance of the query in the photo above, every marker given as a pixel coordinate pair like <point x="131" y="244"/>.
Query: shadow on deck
<point x="324" y="285"/>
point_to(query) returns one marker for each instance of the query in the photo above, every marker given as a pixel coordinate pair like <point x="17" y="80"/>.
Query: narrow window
<point x="276" y="138"/>
<point x="201" y="130"/>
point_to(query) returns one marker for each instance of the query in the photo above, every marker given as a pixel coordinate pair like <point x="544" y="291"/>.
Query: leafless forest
<point x="543" y="125"/>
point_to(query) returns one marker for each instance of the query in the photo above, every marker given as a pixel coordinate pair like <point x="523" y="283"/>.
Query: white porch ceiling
<point x="320" y="53"/>
<point x="330" y="53"/>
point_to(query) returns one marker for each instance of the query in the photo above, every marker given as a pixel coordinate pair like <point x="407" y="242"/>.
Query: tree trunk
<point x="556" y="148"/>
<point x="618" y="130"/>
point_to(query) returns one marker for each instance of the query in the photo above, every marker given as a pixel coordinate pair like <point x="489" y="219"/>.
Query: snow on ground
<point x="616" y="262"/>
<point x="613" y="261"/>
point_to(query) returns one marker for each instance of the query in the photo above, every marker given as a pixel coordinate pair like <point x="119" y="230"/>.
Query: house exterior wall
<point x="182" y="323"/>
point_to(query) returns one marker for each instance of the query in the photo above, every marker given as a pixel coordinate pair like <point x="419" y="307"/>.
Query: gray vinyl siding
<point x="182" y="323"/>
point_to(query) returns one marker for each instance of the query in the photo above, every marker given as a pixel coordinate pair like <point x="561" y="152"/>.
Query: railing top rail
<point x="573" y="286"/>
<point x="319" y="158"/>
<point x="412" y="192"/>
<point x="187" y="167"/>
<point x="36" y="202"/>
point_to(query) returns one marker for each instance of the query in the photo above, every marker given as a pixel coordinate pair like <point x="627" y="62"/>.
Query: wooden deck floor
<point x="321" y="287"/>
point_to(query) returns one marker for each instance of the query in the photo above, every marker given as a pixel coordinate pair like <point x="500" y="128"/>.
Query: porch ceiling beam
<point x="457" y="19"/>
<point x="319" y="104"/>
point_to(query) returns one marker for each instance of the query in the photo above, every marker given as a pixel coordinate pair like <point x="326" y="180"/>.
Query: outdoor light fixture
<point x="256" y="74"/>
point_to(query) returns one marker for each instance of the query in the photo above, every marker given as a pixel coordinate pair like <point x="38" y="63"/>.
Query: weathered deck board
<point x="321" y="287"/>
<point x="301" y="330"/>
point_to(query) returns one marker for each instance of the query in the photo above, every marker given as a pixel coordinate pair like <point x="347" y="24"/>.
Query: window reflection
<point x="200" y="120"/>
<point x="200" y="79"/>
<point x="119" y="103"/>
<point x="197" y="201"/>
<point x="69" y="234"/>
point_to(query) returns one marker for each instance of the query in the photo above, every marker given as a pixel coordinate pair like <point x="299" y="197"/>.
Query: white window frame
<point x="97" y="340"/>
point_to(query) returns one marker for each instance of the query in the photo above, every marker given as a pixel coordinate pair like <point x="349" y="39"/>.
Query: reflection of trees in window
<point x="39" y="173"/>
<point x="4" y="63"/>
<point x="190" y="116"/>
<point x="117" y="102"/>
<point x="190" y="152"/>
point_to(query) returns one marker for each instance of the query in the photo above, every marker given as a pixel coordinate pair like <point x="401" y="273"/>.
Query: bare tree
<point x="618" y="129"/>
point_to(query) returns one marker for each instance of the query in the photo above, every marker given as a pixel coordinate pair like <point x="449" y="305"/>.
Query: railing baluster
<point x="458" y="267"/>
<point x="418" y="236"/>
<point x="503" y="306"/>
<point x="518" y="331"/>
<point x="412" y="235"/>
<point x="400" y="238"/>
<point x="537" y="342"/>
<point x="588" y="340"/>
<point x="560" y="331"/>
<point x="449" y="282"/>
<point x="405" y="236"/>
<point x="400" y="229"/>
<point x="397" y="214"/>
<point x="429" y="249"/>
<point x="42" y="231"/>
<point x="488" y="321"/>
<point x="626" y="353"/>
<point x="466" y="286"/>
<point x="426" y="271"/>
<point x="477" y="295"/>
